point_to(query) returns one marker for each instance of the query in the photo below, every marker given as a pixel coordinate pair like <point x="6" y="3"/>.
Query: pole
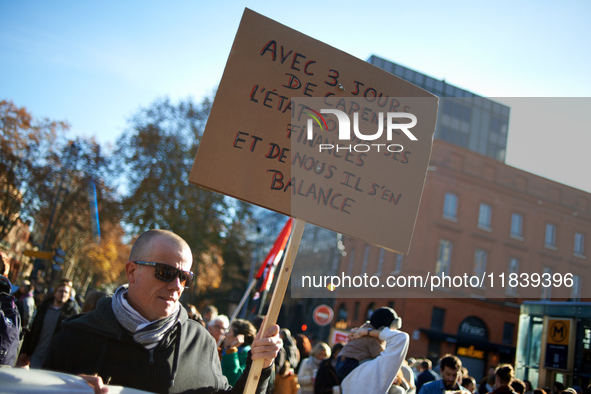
<point x="59" y="191"/>
<point x="262" y="303"/>
<point x="276" y="300"/>
<point x="35" y="272"/>
<point x="256" y="258"/>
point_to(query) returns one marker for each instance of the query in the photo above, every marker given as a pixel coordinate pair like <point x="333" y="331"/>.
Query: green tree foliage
<point x="157" y="154"/>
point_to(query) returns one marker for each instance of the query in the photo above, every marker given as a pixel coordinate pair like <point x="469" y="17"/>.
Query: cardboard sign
<point x="338" y="336"/>
<point x="253" y="150"/>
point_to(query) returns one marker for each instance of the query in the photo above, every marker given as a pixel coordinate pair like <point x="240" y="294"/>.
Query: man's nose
<point x="176" y="284"/>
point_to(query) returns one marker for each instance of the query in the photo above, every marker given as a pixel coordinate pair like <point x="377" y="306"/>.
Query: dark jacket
<point x="426" y="376"/>
<point x="185" y="361"/>
<point x="70" y="308"/>
<point x="326" y="378"/>
<point x="505" y="389"/>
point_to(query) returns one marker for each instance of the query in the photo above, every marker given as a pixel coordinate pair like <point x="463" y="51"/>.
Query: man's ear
<point x="131" y="271"/>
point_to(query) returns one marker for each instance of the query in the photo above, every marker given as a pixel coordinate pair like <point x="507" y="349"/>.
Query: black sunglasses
<point x="168" y="273"/>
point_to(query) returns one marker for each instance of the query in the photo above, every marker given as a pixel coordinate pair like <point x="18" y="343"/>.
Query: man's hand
<point x="359" y="332"/>
<point x="267" y="347"/>
<point x="238" y="341"/>
<point x="96" y="382"/>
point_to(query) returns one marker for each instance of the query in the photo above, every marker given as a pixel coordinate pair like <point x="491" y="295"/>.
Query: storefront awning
<point x="468" y="341"/>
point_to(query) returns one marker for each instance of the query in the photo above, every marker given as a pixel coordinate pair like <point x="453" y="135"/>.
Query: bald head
<point x="143" y="248"/>
<point x="152" y="292"/>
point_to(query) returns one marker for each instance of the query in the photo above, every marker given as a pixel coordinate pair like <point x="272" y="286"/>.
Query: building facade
<point x="477" y="217"/>
<point x="464" y="118"/>
<point x="554" y="343"/>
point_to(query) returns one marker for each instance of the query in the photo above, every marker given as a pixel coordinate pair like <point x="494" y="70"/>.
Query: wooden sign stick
<point x="277" y="299"/>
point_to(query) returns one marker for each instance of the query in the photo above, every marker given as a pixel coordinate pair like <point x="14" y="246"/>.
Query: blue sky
<point x="94" y="64"/>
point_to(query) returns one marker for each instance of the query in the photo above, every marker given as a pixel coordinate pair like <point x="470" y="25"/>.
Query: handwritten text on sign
<point x="267" y="143"/>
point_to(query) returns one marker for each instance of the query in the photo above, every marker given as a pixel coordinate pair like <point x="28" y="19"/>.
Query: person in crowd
<point x="518" y="386"/>
<point x="487" y="383"/>
<point x="465" y="373"/>
<point x="304" y="348"/>
<point x="292" y="353"/>
<point x="218" y="327"/>
<point x="409" y="376"/>
<point x="415" y="365"/>
<point x="528" y="387"/>
<point x="4" y="264"/>
<point x="379" y="374"/>
<point x="309" y="367"/>
<point x="210" y="312"/>
<point x="25" y="302"/>
<point x="326" y="377"/>
<point x="142" y="338"/>
<point x="368" y="346"/>
<point x="451" y="371"/>
<point x="92" y="299"/>
<point x="557" y="387"/>
<point x="426" y="373"/>
<point x="10" y="319"/>
<point x="578" y="389"/>
<point x="195" y="315"/>
<point x="400" y="385"/>
<point x="237" y="344"/>
<point x="46" y="324"/>
<point x="469" y="383"/>
<point x="286" y="381"/>
<point x="504" y="375"/>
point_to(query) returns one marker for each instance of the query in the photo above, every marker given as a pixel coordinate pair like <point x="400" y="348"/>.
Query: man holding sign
<point x="142" y="338"/>
<point x="306" y="130"/>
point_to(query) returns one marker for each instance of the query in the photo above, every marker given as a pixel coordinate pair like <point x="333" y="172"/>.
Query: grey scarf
<point x="145" y="332"/>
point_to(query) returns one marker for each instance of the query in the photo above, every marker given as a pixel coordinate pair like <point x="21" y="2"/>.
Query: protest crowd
<point x="145" y="323"/>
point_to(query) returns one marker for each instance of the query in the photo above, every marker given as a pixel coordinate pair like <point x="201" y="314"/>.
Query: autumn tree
<point x="66" y="222"/>
<point x="25" y="144"/>
<point x="101" y="264"/>
<point x="157" y="154"/>
<point x="45" y="178"/>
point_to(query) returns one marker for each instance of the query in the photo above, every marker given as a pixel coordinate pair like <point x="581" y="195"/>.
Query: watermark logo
<point x="392" y="127"/>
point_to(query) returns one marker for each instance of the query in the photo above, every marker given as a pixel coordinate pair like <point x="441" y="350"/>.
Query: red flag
<point x="266" y="272"/>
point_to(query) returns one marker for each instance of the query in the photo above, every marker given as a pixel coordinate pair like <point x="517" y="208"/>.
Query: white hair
<point x="221" y="318"/>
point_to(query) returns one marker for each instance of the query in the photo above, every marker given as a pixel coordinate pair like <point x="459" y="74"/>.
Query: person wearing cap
<point x="367" y="345"/>
<point x="370" y="361"/>
<point x="142" y="338"/>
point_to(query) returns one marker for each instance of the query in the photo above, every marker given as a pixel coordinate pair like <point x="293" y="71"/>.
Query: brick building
<point x="478" y="217"/>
